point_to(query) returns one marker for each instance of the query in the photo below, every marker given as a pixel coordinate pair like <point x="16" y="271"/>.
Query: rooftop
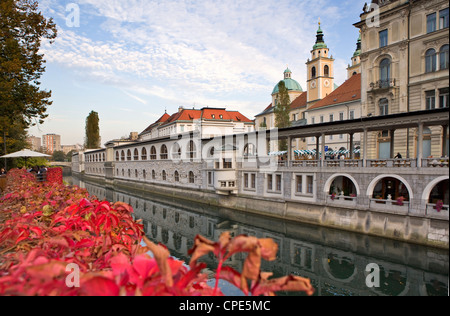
<point x="347" y="92"/>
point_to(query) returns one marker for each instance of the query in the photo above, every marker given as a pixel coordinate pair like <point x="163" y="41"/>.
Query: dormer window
<point x="213" y="116"/>
<point x="221" y="117"/>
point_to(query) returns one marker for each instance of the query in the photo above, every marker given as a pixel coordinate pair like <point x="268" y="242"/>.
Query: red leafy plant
<point x="47" y="228"/>
<point x="439" y="205"/>
<point x="251" y="280"/>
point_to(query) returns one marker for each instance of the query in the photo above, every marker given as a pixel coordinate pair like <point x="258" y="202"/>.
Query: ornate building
<point x="404" y="65"/>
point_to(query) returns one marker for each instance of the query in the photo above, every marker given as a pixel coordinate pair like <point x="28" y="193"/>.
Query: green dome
<point x="291" y="85"/>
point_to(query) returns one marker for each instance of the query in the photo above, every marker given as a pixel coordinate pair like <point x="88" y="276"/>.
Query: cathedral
<point x="322" y="101"/>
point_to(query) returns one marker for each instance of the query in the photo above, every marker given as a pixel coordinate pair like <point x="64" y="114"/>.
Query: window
<point x="313" y="120"/>
<point x="176" y="151"/>
<point x="430" y="100"/>
<point x="253" y="176"/>
<point x="443" y="57"/>
<point x="321" y="119"/>
<point x="122" y="155"/>
<point x="384" y="38"/>
<point x="385" y="73"/>
<point x="227" y="164"/>
<point x="136" y="173"/>
<point x="384" y="107"/>
<point x="331" y="117"/>
<point x="144" y="174"/>
<point x="153" y="153"/>
<point x="341" y="116"/>
<point x="443" y="98"/>
<point x="310" y="184"/>
<point x="177" y="176"/>
<point x="278" y="179"/>
<point x="164" y="152"/>
<point x="352" y="115"/>
<point x="246" y="183"/>
<point x="164" y="175"/>
<point x="430" y="60"/>
<point x="191" y="177"/>
<point x="269" y="182"/>
<point x="443" y="19"/>
<point x="313" y="72"/>
<point x="210" y="178"/>
<point x="117" y="156"/>
<point x="431" y="23"/>
<point x="144" y="154"/>
<point x="136" y="154"/>
<point x="129" y="155"/>
<point x="192" y="150"/>
<point x="153" y="174"/>
<point x="299" y="184"/>
<point x="326" y="71"/>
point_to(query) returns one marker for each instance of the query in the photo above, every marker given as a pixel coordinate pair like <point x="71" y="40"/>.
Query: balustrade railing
<point x="383" y="84"/>
<point x="435" y="162"/>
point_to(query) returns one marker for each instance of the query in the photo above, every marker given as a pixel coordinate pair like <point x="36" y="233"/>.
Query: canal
<point x="334" y="260"/>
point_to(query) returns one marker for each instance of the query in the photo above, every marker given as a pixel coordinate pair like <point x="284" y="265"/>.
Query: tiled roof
<point x="205" y="113"/>
<point x="161" y="120"/>
<point x="347" y="92"/>
<point x="298" y="103"/>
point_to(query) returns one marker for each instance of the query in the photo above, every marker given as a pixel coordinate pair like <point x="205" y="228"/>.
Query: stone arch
<point x="375" y="181"/>
<point x="427" y="191"/>
<point x="330" y="180"/>
<point x="346" y="263"/>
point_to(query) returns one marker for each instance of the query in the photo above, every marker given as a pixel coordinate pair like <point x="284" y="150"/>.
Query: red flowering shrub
<point x="50" y="231"/>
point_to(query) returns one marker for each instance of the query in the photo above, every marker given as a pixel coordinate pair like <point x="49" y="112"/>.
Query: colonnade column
<point x="420" y="145"/>
<point x="289" y="157"/>
<point x="444" y="140"/>
<point x="392" y="135"/>
<point x="352" y="154"/>
<point x="322" y="150"/>
<point x="317" y="147"/>
<point x="365" y="138"/>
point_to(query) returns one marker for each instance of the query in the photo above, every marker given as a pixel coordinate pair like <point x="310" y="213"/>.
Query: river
<point x="335" y="261"/>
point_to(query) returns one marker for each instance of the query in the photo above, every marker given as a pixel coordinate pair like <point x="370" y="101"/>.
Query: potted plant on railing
<point x="400" y="201"/>
<point x="439" y="205"/>
<point x="333" y="196"/>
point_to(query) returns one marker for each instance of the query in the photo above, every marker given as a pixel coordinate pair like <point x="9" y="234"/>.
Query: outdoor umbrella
<point x="25" y="154"/>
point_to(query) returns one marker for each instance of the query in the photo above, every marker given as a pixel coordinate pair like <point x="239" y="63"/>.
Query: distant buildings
<point x="35" y="143"/>
<point x="50" y="143"/>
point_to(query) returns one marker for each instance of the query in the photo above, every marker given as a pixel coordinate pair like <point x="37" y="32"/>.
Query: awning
<point x="278" y="153"/>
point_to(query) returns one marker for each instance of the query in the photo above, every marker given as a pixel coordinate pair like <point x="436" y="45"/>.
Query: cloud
<point x="215" y="53"/>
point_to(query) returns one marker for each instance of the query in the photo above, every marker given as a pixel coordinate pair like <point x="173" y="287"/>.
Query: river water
<point x="335" y="261"/>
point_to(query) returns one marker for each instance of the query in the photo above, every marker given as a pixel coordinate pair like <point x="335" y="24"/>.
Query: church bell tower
<point x="320" y="70"/>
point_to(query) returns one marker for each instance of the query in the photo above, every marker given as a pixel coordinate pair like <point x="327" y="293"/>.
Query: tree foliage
<point x="92" y="140"/>
<point x="282" y="112"/>
<point x="22" y="29"/>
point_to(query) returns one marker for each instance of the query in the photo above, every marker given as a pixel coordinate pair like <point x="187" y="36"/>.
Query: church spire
<point x="320" y="42"/>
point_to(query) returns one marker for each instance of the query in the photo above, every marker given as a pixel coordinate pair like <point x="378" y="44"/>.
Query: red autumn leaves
<point x="46" y="228"/>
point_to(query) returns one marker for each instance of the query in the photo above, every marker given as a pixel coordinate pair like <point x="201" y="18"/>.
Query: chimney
<point x="134" y="136"/>
<point x="180" y="109"/>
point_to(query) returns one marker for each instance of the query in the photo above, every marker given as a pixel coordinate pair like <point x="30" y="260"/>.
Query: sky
<point x="132" y="60"/>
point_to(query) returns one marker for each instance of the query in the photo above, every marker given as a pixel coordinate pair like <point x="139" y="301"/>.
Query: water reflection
<point x="335" y="261"/>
